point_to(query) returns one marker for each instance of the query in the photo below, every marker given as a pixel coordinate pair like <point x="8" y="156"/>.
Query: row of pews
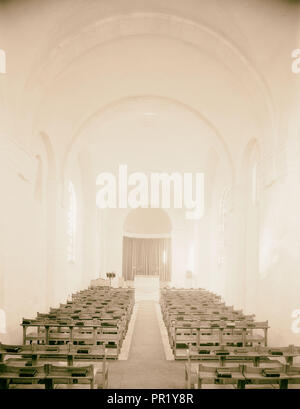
<point x="89" y="328"/>
<point x="222" y="345"/>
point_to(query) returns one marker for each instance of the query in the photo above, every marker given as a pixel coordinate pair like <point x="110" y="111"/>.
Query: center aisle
<point x="146" y="367"/>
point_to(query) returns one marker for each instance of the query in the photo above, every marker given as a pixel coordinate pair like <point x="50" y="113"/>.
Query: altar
<point x="146" y="287"/>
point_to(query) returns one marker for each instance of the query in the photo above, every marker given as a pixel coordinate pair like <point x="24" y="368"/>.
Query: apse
<point x="147" y="222"/>
<point x="147" y="252"/>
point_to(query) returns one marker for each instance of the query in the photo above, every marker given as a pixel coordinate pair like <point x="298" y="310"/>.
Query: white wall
<point x="23" y="238"/>
<point x="34" y="271"/>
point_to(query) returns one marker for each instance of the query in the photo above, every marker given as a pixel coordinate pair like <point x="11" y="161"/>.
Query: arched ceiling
<point x="214" y="59"/>
<point x="147" y="221"/>
<point x="150" y="134"/>
<point x="148" y="65"/>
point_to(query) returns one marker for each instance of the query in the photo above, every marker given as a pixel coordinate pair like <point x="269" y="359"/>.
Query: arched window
<point x="71" y="223"/>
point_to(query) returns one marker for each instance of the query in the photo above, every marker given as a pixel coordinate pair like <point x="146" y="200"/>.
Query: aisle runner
<point x="127" y="341"/>
<point x="146" y="367"/>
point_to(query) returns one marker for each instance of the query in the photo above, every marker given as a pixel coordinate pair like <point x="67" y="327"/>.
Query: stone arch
<point x="59" y="56"/>
<point x="74" y="146"/>
<point x="147" y="221"/>
<point x="132" y="24"/>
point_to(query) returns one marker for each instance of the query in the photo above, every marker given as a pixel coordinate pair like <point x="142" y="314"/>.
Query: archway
<point x="147" y="254"/>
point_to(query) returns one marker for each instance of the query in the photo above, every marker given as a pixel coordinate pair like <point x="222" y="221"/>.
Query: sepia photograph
<point x="149" y="198"/>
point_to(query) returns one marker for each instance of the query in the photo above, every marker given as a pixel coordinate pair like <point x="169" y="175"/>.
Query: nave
<point x="147" y="366"/>
<point x="150" y="194"/>
<point x="100" y="339"/>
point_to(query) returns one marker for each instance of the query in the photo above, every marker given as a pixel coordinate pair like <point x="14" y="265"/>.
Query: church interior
<point x="100" y="100"/>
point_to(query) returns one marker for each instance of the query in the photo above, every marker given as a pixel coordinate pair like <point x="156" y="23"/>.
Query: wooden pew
<point x="98" y="316"/>
<point x="219" y="376"/>
<point x="255" y="354"/>
<point x="88" y="332"/>
<point x="265" y="376"/>
<point x="246" y="376"/>
<point x="35" y="355"/>
<point x="201" y="318"/>
<point x="10" y="374"/>
<point x="293" y="372"/>
<point x="48" y="375"/>
<point x="225" y="357"/>
<point x="220" y="334"/>
<point x="72" y="352"/>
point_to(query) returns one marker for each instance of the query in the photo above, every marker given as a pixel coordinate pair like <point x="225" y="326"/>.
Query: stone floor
<point x="146" y="367"/>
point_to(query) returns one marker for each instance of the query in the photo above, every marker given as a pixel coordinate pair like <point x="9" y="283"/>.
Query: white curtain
<point x="146" y="256"/>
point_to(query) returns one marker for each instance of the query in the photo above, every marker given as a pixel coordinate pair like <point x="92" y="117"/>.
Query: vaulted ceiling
<point x="92" y="71"/>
